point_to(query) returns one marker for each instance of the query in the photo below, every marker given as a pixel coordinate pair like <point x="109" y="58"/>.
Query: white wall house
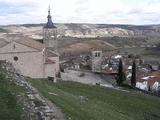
<point x="142" y="85"/>
<point x="156" y="86"/>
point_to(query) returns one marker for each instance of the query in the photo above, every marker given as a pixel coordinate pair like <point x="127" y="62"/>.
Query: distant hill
<point x="88" y="30"/>
<point x="81" y="38"/>
<point x="3" y="30"/>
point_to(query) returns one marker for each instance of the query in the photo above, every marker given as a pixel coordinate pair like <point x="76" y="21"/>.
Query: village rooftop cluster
<point x="97" y="62"/>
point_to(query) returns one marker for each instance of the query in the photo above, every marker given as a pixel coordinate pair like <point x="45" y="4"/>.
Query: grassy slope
<point x="99" y="103"/>
<point x="9" y="108"/>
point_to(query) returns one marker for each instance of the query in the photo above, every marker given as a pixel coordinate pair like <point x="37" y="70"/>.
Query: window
<point x="15" y="58"/>
<point x="14" y="46"/>
<point x="98" y="54"/>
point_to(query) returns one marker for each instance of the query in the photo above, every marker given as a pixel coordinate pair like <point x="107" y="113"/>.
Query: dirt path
<point x="58" y="112"/>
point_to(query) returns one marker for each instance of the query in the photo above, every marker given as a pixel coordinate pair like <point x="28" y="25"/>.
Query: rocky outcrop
<point x="35" y="106"/>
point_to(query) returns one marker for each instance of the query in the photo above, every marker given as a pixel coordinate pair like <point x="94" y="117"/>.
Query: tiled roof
<point x="151" y="82"/>
<point x="153" y="62"/>
<point x="152" y="76"/>
<point x="3" y="43"/>
<point x="49" y="61"/>
<point x="30" y="43"/>
<point x="156" y="74"/>
<point x="51" y="53"/>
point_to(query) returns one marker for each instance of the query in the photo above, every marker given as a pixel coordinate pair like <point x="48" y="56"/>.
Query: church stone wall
<point x="56" y="65"/>
<point x="28" y="64"/>
<point x="50" y="70"/>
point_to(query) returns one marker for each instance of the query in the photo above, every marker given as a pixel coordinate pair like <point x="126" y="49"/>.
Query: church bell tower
<point x="50" y="33"/>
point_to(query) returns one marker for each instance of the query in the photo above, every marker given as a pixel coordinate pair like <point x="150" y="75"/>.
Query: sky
<point x="137" y="12"/>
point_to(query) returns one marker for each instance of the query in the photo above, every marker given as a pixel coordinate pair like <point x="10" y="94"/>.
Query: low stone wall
<point x="34" y="105"/>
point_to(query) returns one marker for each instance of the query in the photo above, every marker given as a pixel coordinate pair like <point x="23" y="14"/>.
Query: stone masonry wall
<point x="31" y="111"/>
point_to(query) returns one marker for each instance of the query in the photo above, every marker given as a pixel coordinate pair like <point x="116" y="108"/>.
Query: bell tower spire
<point x="50" y="33"/>
<point x="49" y="20"/>
<point x="49" y="10"/>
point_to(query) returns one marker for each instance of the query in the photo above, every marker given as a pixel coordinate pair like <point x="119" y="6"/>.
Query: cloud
<point x="84" y="11"/>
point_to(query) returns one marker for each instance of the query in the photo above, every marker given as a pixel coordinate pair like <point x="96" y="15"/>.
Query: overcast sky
<point x="81" y="11"/>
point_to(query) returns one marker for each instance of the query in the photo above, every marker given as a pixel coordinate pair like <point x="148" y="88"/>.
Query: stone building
<point x="32" y="58"/>
<point x="96" y="61"/>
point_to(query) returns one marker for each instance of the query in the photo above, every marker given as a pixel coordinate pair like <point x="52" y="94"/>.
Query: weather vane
<point x="49" y="9"/>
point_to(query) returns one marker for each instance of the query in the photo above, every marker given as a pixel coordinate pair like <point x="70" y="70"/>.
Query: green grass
<point x="99" y="103"/>
<point x="9" y="108"/>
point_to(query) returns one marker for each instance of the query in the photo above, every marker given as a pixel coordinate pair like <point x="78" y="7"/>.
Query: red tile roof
<point x="151" y="82"/>
<point x="30" y="43"/>
<point x="51" y="53"/>
<point x="156" y="74"/>
<point x="49" y="61"/>
<point x="155" y="78"/>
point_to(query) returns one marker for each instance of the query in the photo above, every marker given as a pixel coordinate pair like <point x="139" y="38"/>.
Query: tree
<point x="133" y="78"/>
<point x="149" y="88"/>
<point x="121" y="74"/>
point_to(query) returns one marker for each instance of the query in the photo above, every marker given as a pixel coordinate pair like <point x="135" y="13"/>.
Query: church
<point x="32" y="58"/>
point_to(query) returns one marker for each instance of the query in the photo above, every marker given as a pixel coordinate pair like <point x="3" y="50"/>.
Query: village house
<point x="32" y="58"/>
<point x="153" y="65"/>
<point x="150" y="81"/>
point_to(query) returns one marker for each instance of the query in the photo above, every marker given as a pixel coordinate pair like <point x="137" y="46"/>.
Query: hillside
<point x="83" y="102"/>
<point x="86" y="30"/>
<point x="20" y="101"/>
<point x="81" y="38"/>
<point x="87" y="46"/>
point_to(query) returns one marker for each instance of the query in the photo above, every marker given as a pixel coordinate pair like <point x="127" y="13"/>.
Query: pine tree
<point x="133" y="78"/>
<point x="121" y="74"/>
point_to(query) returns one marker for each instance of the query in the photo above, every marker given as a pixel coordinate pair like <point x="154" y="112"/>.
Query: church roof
<point x="49" y="23"/>
<point x="30" y="43"/>
<point x="49" y="61"/>
<point x="3" y="42"/>
<point x="51" y="53"/>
